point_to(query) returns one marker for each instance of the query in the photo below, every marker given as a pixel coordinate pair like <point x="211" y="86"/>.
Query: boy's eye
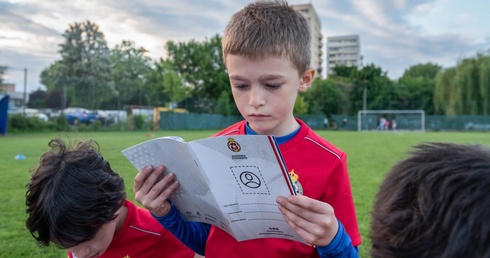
<point x="272" y="86"/>
<point x="240" y="86"/>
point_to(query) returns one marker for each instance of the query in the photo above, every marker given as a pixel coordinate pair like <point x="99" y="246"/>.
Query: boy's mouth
<point x="257" y="115"/>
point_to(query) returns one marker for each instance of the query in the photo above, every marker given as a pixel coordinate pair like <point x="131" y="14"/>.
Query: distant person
<point x="266" y="51"/>
<point x="382" y="123"/>
<point x="78" y="203"/>
<point x="435" y="203"/>
<point x="325" y="123"/>
<point x="393" y="124"/>
<point x="344" y="123"/>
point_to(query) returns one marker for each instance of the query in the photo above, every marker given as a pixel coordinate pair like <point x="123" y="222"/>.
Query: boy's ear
<point x="306" y="79"/>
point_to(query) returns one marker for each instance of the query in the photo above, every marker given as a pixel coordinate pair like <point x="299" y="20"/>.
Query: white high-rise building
<point x="316" y="35"/>
<point x="343" y="50"/>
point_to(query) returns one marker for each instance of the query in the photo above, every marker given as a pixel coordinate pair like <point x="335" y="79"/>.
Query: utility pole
<point x="364" y="99"/>
<point x="25" y="92"/>
<point x="364" y="105"/>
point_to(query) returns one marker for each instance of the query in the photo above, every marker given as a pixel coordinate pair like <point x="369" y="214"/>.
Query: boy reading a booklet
<point x="77" y="202"/>
<point x="266" y="50"/>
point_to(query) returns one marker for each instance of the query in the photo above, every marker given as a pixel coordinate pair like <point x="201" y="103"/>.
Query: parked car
<point x="76" y="115"/>
<point x="14" y="110"/>
<point x="31" y="112"/>
<point x="104" y="117"/>
<point x="51" y="113"/>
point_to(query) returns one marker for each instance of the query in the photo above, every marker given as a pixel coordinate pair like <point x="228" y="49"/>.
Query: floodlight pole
<point x="364" y="102"/>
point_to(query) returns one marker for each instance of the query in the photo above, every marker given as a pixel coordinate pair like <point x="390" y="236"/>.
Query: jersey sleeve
<point x="340" y="247"/>
<point x="339" y="195"/>
<point x="192" y="234"/>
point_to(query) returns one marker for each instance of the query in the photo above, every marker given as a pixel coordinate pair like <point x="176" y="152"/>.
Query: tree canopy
<point x="193" y="76"/>
<point x="85" y="64"/>
<point x="464" y="89"/>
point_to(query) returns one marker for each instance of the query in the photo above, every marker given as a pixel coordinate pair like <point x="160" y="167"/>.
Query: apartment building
<point x="316" y="35"/>
<point x="343" y="50"/>
<point x="16" y="98"/>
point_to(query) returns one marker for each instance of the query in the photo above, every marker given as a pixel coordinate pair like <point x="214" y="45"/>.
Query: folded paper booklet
<point x="231" y="182"/>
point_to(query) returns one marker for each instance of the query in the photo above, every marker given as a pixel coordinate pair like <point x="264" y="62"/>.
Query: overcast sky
<point x="394" y="34"/>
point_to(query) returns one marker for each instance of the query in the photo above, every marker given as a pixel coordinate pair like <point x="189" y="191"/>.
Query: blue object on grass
<point x="20" y="157"/>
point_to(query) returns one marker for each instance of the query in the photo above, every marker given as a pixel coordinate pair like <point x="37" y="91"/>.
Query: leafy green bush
<point x="19" y="123"/>
<point x="61" y="123"/>
<point x="139" y="122"/>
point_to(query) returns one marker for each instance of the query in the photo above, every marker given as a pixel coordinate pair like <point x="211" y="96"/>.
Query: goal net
<point x="390" y="120"/>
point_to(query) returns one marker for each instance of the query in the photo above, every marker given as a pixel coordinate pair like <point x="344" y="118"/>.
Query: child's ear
<point x="306" y="79"/>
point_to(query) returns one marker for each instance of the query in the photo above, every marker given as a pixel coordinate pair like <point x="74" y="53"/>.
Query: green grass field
<point x="370" y="155"/>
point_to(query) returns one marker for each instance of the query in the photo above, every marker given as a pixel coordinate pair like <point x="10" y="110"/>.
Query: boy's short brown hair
<point x="269" y="28"/>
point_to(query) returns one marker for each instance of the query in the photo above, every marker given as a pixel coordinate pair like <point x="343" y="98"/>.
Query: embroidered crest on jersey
<point x="233" y="145"/>
<point x="297" y="185"/>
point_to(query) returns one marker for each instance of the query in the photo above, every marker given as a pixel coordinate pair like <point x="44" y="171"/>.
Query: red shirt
<point x="319" y="171"/>
<point x="142" y="236"/>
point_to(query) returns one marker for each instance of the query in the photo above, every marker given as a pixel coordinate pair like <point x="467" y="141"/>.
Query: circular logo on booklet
<point x="233" y="145"/>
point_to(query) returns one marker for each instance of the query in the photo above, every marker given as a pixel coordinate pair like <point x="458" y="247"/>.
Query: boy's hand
<point x="152" y="192"/>
<point x="313" y="220"/>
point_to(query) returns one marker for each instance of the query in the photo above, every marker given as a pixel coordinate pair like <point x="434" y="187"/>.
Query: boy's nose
<point x="78" y="251"/>
<point x="256" y="97"/>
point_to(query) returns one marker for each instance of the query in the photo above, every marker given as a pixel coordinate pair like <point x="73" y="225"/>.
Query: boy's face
<point x="97" y="245"/>
<point x="265" y="90"/>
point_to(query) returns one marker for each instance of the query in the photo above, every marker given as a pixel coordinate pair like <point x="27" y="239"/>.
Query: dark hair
<point x="72" y="194"/>
<point x="435" y="203"/>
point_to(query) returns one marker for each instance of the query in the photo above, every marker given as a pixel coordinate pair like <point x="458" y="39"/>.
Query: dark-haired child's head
<point x="435" y="203"/>
<point x="72" y="194"/>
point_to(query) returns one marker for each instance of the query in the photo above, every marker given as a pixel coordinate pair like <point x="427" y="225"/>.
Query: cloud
<point x="394" y="34"/>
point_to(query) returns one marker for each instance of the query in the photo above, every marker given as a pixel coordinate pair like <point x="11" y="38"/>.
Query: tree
<point x="174" y="86"/>
<point x="368" y="84"/>
<point x="201" y="66"/>
<point x="154" y="83"/>
<point x="55" y="98"/>
<point x="464" y="89"/>
<point x="344" y="71"/>
<point x="416" y="87"/>
<point x="37" y="99"/>
<point x="85" y="62"/>
<point x="427" y="70"/>
<point x="445" y="91"/>
<point x="129" y="66"/>
<point x="326" y="97"/>
<point x="52" y="76"/>
<point x="300" y="105"/>
<point x="55" y="81"/>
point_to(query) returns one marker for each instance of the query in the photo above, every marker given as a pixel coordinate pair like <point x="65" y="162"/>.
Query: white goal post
<point x="390" y="120"/>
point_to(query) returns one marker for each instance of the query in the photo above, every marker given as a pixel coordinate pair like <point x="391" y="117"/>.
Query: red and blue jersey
<point x="318" y="170"/>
